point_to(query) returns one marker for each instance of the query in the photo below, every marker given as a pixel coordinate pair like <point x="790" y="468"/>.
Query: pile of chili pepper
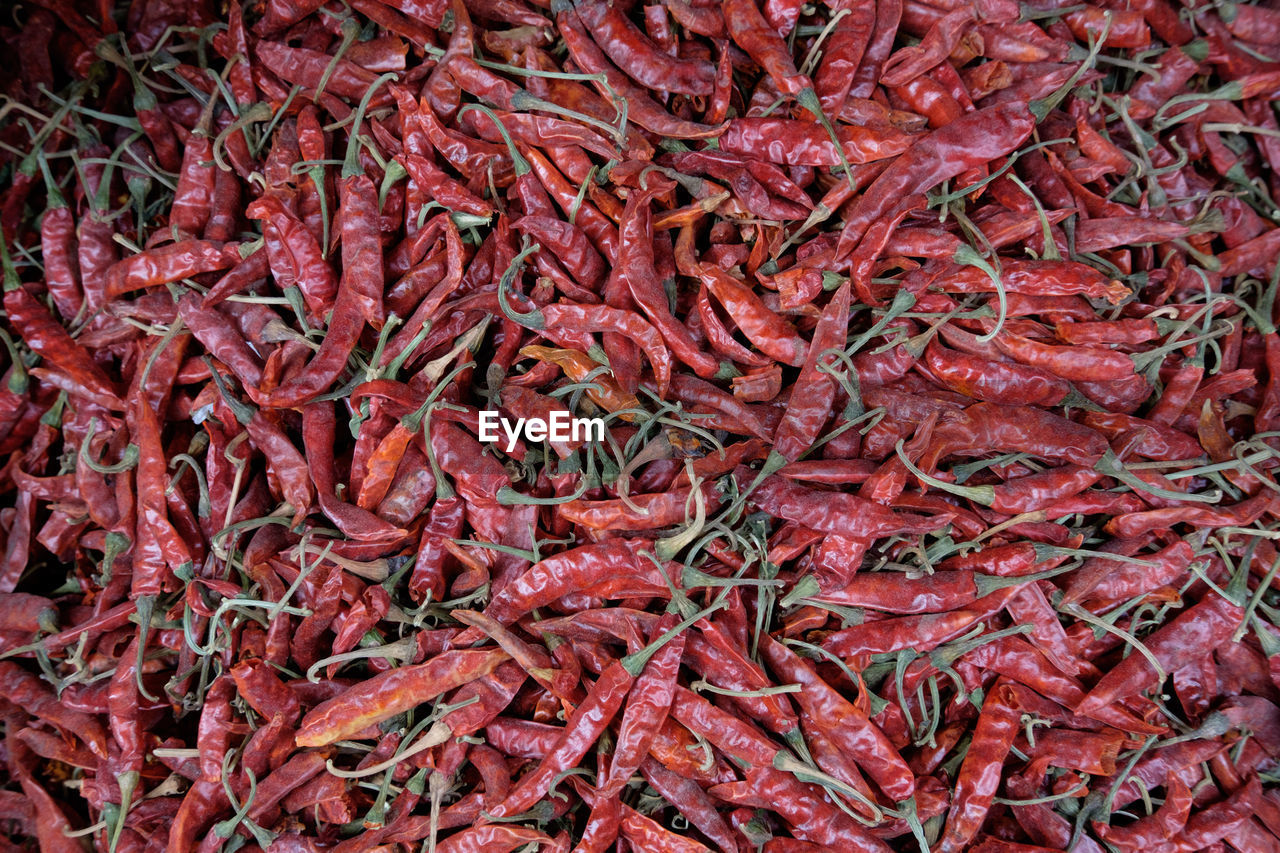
<point x="935" y="343"/>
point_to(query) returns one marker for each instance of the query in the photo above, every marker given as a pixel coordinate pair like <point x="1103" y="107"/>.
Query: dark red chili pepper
<point x="943" y="154"/>
<point x="640" y="58"/>
<point x="641" y="107"/>
<point x="857" y="736"/>
<point x="1198" y="629"/>
<point x="798" y="143"/>
<point x="593" y="318"/>
<point x="169" y="264"/>
<point x="979" y="774"/>
<point x="46" y="337"/>
<point x="391" y="692"/>
<point x="811" y="400"/>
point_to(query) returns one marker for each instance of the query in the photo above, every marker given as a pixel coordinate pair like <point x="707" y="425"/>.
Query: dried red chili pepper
<point x="392" y="692"/>
<point x="1199" y="628"/>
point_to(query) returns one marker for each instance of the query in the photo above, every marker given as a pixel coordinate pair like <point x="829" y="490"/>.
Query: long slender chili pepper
<point x="395" y="691"/>
<point x="857" y="736"/>
<point x="980" y="772"/>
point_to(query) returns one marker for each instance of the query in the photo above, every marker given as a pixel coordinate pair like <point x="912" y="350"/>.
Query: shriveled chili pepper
<point x="643" y="109"/>
<point x="169" y="264"/>
<point x="392" y="692"/>
<point x="640" y="58"/>
<point x="800" y="143"/>
<point x="587" y="722"/>
<point x="1202" y="627"/>
<point x="848" y="727"/>
<point x="46" y="336"/>
<point x="595" y="318"/>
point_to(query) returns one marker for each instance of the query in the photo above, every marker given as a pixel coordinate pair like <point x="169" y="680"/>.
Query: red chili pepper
<point x="811" y="815"/>
<point x="1198" y="629"/>
<point x="636" y="267"/>
<point x="849" y="729"/>
<point x="943" y="154"/>
<point x="979" y="774"/>
<point x="595" y="318"/>
<point x="801" y="143"/>
<point x="46" y="337"/>
<point x="811" y="401"/>
<point x="169" y="264"/>
<point x="640" y="58"/>
<point x="392" y="692"/>
<point x="494" y="838"/>
<point x="641" y="107"/>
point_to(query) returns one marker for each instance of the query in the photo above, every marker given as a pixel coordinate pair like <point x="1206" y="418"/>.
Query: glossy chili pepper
<point x="992" y="381"/>
<point x="169" y="264"/>
<point x="802" y="143"/>
<point x="599" y="318"/>
<point x="46" y="337"/>
<point x="723" y="663"/>
<point x="888" y="635"/>
<point x="655" y="510"/>
<point x="848" y="728"/>
<point x="1198" y="629"/>
<point x="811" y="815"/>
<point x="647" y="706"/>
<point x="811" y="401"/>
<point x="834" y="512"/>
<point x="392" y="692"/>
<point x="979" y="774"/>
<point x="58" y="247"/>
<point x="636" y="267"/>
<point x="640" y="58"/>
<point x="590" y="718"/>
<point x="641" y="107"/>
<point x="768" y="331"/>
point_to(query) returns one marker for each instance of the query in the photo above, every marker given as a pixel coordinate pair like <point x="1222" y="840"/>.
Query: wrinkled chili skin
<point x="639" y="57"/>
<point x="47" y="337"/>
<point x="581" y="730"/>
<point x="810" y="402"/>
<point x="168" y="264"/>
<point x="994" y="382"/>
<point x="858" y="736"/>
<point x="396" y="690"/>
<point x="944" y="153"/>
<point x="801" y="143"/>
<point x="1199" y="628"/>
<point x="979" y="775"/>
